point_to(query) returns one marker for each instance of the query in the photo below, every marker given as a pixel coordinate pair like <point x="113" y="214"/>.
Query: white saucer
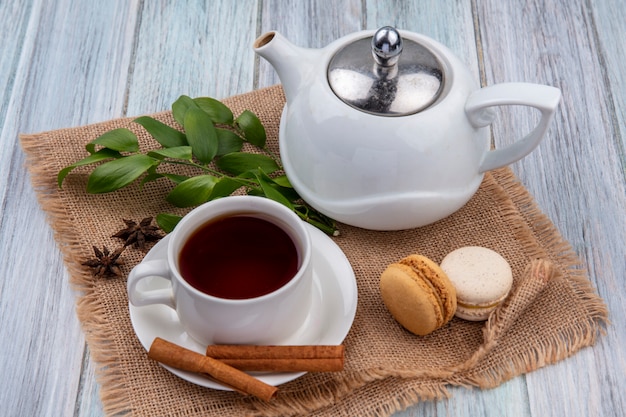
<point x="332" y="310"/>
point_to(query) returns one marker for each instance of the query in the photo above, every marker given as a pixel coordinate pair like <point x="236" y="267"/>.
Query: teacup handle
<point x="479" y="112"/>
<point x="154" y="268"/>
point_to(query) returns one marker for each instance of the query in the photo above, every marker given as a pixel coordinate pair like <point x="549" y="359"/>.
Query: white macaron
<point x="482" y="278"/>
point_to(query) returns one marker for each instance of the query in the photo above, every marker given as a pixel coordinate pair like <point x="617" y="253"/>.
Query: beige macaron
<point x="418" y="294"/>
<point x="482" y="278"/>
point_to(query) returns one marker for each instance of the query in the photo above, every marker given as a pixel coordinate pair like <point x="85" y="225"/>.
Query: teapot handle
<point x="479" y="112"/>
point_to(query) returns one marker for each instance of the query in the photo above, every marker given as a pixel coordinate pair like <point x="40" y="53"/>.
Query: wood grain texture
<point x="311" y="24"/>
<point x="198" y="49"/>
<point x="64" y="49"/>
<point x="12" y="33"/>
<point x="69" y="63"/>
<point x="450" y="23"/>
<point x="608" y="19"/>
<point x="575" y="175"/>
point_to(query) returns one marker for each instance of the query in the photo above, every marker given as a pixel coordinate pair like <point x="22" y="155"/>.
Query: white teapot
<point x="388" y="130"/>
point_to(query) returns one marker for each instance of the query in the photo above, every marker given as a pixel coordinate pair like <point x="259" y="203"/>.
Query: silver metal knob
<point x="386" y="85"/>
<point x="386" y="46"/>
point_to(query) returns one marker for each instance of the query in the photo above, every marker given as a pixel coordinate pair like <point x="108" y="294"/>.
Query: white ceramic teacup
<point x="266" y="319"/>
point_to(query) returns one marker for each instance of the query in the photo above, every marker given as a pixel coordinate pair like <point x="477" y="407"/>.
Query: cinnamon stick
<point x="310" y="358"/>
<point x="187" y="360"/>
<point x="275" y="351"/>
<point x="286" y="365"/>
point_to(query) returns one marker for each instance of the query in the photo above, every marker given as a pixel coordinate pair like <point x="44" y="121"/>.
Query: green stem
<point x="325" y="224"/>
<point x="245" y="182"/>
<point x="186" y="163"/>
<point x="203" y="168"/>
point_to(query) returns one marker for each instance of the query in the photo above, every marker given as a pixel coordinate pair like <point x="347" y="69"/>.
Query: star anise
<point x="106" y="263"/>
<point x="140" y="233"/>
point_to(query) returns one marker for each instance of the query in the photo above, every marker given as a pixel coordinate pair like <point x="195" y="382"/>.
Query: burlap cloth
<point x="386" y="368"/>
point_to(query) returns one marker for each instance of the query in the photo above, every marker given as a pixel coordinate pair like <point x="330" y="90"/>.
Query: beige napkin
<point x="386" y="367"/>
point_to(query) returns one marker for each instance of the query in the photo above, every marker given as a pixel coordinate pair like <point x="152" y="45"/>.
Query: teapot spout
<point x="292" y="63"/>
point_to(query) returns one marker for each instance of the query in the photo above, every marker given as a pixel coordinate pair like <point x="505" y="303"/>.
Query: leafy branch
<point x="209" y="144"/>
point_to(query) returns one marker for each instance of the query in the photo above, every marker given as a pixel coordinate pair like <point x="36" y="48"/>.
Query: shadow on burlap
<point x="387" y="368"/>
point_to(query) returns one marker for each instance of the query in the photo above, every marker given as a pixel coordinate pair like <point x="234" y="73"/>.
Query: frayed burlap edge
<point x="527" y="222"/>
<point x="530" y="226"/>
<point x="519" y="207"/>
<point x="89" y="310"/>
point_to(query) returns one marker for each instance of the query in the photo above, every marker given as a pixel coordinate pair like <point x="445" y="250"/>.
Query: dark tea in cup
<point x="238" y="257"/>
<point x="239" y="270"/>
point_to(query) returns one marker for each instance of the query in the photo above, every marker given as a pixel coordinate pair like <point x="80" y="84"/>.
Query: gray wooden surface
<point x="67" y="63"/>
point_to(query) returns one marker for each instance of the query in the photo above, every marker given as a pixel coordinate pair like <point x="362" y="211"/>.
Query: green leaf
<point x="162" y="133"/>
<point x="248" y="174"/>
<point x="239" y="162"/>
<point x="118" y="173"/>
<point x="322" y="222"/>
<point x="271" y="192"/>
<point x="101" y="155"/>
<point x="122" y="140"/>
<point x="256" y="192"/>
<point x="201" y="135"/>
<point x="217" y="110"/>
<point x="228" y="141"/>
<point x="192" y="192"/>
<point x="153" y="176"/>
<point x="150" y="177"/>
<point x="178" y="152"/>
<point x="287" y="191"/>
<point x="252" y="128"/>
<point x="180" y="107"/>
<point x="167" y="222"/>
<point x="224" y="187"/>
<point x="283" y="181"/>
<point x="176" y="179"/>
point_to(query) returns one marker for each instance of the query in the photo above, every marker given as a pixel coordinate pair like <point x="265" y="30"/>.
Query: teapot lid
<point x="386" y="75"/>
